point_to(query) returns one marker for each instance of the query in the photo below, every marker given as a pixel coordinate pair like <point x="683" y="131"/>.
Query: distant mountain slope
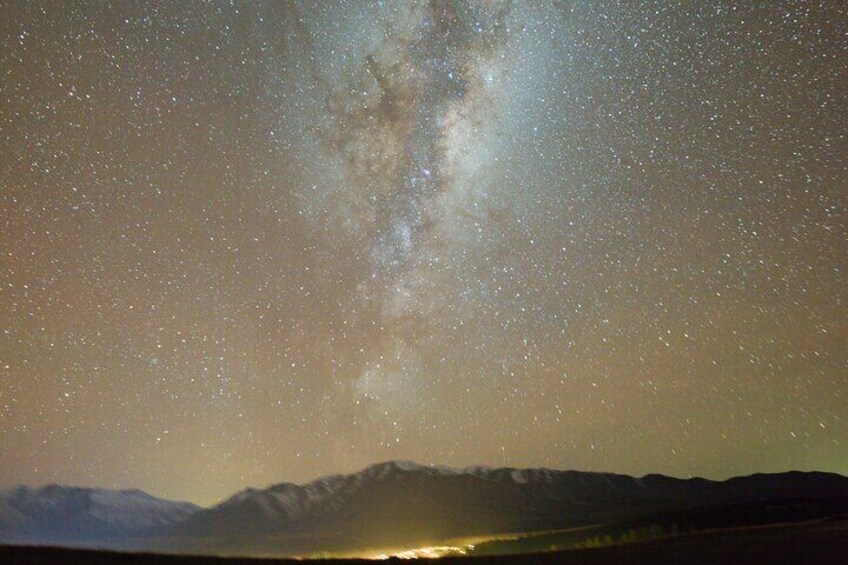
<point x="59" y="514"/>
<point x="401" y="504"/>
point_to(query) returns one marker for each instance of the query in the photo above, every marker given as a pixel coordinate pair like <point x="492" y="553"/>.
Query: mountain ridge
<point x="402" y="503"/>
<point x="471" y="469"/>
<point x="55" y="513"/>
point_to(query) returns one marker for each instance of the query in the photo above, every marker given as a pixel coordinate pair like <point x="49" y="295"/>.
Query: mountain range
<point x="57" y="514"/>
<point x="401" y="504"/>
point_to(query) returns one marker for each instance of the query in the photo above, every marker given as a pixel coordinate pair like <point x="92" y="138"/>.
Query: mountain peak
<point x="393" y="466"/>
<point x="56" y="512"/>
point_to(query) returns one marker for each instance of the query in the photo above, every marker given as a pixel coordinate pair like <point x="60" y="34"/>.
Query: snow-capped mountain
<point x="402" y="504"/>
<point x="60" y="514"/>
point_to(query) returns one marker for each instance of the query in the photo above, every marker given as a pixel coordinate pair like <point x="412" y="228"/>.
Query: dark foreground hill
<point x="819" y="543"/>
<point x="394" y="506"/>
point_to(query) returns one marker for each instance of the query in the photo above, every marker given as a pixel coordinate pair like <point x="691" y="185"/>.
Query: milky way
<point x="402" y="129"/>
<point x="243" y="244"/>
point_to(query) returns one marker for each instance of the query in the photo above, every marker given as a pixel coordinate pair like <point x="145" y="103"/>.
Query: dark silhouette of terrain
<point x="820" y="543"/>
<point x="396" y="505"/>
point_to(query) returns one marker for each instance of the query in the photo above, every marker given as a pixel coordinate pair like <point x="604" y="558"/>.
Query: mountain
<point x="401" y="505"/>
<point x="83" y="516"/>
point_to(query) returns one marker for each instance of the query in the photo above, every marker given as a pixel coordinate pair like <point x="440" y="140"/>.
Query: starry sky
<point x="246" y="243"/>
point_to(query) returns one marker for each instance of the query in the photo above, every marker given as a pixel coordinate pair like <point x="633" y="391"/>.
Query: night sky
<point x="249" y="243"/>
